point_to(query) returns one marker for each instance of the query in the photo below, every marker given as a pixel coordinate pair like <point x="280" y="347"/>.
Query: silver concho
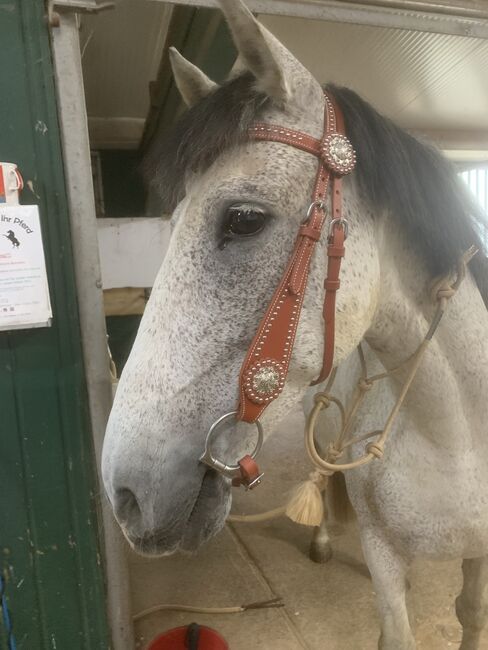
<point x="338" y="154"/>
<point x="264" y="381"/>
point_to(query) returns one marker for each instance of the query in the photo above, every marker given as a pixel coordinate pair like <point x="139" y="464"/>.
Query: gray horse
<point x="238" y="208"/>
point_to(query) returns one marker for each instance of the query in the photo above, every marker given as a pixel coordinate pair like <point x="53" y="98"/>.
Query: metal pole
<point x="77" y="166"/>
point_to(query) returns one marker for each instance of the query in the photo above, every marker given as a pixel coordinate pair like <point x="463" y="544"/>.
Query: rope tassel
<point x="306" y="504"/>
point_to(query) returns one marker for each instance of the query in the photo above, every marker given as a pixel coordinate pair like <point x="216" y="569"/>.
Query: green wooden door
<point x="48" y="525"/>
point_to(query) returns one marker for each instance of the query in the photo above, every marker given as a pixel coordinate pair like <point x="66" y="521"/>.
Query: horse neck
<point x="447" y="399"/>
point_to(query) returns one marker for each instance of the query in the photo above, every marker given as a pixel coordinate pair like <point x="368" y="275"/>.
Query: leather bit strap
<point x="335" y="253"/>
<point x="265" y="367"/>
<point x="250" y="475"/>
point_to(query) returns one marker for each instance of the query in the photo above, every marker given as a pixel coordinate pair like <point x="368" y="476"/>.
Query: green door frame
<point x="48" y="489"/>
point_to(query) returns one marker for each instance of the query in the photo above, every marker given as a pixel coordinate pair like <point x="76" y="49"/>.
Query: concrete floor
<point x="327" y="607"/>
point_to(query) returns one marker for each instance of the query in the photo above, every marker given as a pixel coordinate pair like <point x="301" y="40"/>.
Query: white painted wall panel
<point x="131" y="250"/>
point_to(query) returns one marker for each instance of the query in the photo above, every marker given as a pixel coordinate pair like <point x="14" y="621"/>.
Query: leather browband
<point x="265" y="367"/>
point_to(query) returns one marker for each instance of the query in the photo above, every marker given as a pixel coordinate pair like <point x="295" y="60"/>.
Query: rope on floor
<point x="261" y="516"/>
<point x="264" y="604"/>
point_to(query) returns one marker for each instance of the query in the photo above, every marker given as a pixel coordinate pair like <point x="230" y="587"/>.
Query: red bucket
<point x="189" y="637"/>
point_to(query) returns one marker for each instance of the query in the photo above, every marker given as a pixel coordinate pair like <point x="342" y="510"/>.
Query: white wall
<point x="131" y="250"/>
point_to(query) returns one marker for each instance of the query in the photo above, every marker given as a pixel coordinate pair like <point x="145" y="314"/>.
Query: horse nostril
<point x="126" y="506"/>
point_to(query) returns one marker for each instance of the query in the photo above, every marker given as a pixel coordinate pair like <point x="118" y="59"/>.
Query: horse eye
<point x="243" y="220"/>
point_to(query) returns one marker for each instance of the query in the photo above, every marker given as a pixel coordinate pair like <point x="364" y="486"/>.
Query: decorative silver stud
<point x="338" y="154"/>
<point x="264" y="381"/>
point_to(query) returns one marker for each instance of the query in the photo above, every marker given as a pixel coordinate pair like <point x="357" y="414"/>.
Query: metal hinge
<point x="56" y="7"/>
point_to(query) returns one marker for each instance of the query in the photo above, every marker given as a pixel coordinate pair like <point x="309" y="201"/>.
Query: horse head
<point x="240" y="204"/>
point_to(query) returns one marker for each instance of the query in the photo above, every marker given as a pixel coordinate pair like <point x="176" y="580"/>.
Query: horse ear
<point x="258" y="50"/>
<point x="192" y="83"/>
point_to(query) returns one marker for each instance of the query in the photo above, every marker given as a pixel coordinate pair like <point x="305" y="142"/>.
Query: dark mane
<point x="219" y="122"/>
<point x="395" y="171"/>
<point x="417" y="185"/>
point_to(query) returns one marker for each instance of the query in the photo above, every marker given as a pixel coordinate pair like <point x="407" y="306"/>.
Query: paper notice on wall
<point x="24" y="291"/>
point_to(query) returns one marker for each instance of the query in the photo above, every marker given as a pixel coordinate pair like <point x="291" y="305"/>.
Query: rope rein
<point x="306" y="504"/>
<point x="443" y="290"/>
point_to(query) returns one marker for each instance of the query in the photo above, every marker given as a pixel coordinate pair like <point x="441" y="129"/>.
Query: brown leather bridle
<point x="264" y="371"/>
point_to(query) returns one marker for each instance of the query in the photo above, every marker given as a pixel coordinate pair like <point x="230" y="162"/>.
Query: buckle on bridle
<point x="315" y="204"/>
<point x="339" y="222"/>
<point x="246" y="471"/>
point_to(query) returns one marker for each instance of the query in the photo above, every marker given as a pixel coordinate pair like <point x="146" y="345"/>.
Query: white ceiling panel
<point x="427" y="82"/>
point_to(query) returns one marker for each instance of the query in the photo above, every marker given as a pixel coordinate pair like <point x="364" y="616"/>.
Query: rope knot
<point x="444" y="292"/>
<point x="365" y="384"/>
<point x="322" y="398"/>
<point x="333" y="454"/>
<point x="320" y="478"/>
<point x="376" y="449"/>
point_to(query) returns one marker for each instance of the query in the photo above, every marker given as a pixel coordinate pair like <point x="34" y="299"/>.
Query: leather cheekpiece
<point x="264" y="371"/>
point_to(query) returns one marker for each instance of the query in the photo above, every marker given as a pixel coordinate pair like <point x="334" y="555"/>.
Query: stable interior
<point x="432" y="84"/>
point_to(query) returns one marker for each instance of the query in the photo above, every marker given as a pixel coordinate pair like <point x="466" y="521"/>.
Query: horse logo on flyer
<point x="11" y="237"/>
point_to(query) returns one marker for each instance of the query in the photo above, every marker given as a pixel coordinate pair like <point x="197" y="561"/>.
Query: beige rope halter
<point x="306" y="504"/>
<point x="443" y="290"/>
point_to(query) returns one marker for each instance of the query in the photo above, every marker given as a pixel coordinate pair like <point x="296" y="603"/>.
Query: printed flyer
<point x="24" y="291"/>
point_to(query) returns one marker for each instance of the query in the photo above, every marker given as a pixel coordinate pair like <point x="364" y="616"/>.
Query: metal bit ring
<point x="229" y="471"/>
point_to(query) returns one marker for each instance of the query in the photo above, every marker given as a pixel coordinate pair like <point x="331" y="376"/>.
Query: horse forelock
<point x="215" y="124"/>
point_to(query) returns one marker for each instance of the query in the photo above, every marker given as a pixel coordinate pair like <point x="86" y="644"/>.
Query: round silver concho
<point x="338" y="154"/>
<point x="264" y="381"/>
